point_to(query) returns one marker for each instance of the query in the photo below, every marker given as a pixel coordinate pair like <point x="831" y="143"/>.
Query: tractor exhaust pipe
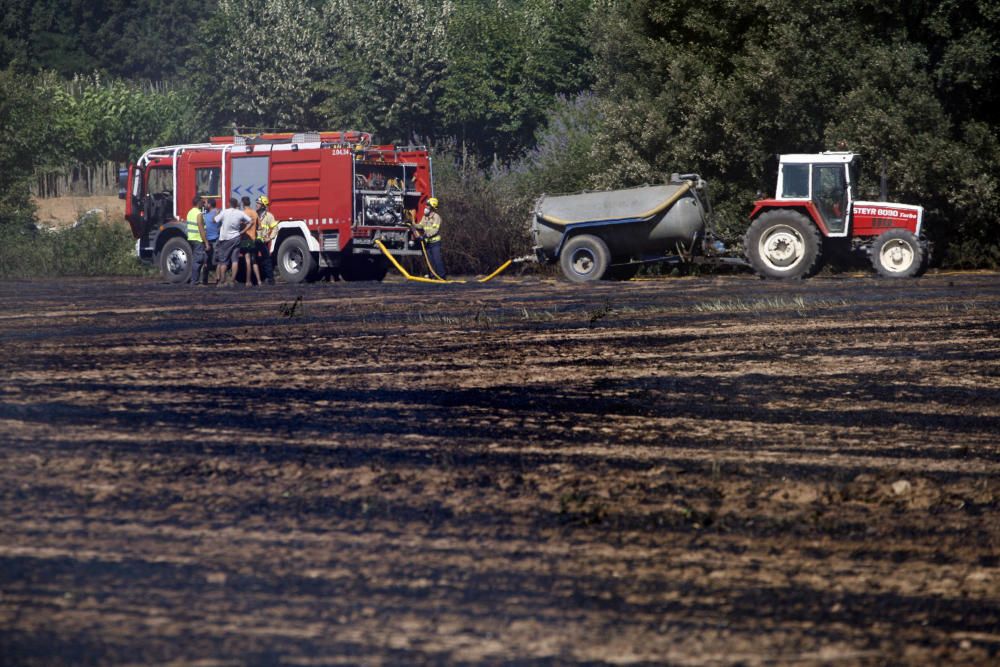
<point x="884" y="183"/>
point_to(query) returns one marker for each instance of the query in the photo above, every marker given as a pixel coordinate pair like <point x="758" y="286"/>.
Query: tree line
<point x="526" y="96"/>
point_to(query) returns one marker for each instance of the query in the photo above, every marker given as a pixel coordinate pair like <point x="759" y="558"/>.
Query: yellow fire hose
<point x="406" y="274"/>
<point x="495" y="273"/>
<point x="436" y="279"/>
<point x="427" y="260"/>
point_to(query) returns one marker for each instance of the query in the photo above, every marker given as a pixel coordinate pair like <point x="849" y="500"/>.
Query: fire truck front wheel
<point x="175" y="260"/>
<point x="296" y="263"/>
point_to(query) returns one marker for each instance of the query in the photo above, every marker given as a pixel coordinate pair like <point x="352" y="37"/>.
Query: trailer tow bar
<point x="437" y="279"/>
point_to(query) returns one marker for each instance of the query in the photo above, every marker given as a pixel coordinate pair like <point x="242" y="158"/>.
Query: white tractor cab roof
<point x="827" y="157"/>
<point x="801" y="176"/>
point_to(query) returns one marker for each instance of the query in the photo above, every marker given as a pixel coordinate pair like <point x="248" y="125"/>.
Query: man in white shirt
<point x="232" y="221"/>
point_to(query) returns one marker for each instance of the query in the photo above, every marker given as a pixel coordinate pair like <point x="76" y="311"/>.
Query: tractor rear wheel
<point x="783" y="244"/>
<point x="584" y="258"/>
<point x="898" y="253"/>
<point x="175" y="260"/>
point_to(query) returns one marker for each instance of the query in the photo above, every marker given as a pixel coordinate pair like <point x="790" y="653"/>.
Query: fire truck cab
<point x="333" y="193"/>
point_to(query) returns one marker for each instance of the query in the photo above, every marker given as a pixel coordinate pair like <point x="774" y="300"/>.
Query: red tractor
<point x="814" y="211"/>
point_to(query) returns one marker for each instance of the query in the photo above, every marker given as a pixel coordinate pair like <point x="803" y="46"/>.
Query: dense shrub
<point x="92" y="247"/>
<point x="485" y="217"/>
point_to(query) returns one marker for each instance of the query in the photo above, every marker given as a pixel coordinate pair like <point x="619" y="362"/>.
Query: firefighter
<point x="248" y="244"/>
<point x="429" y="231"/>
<point x="196" y="239"/>
<point x="267" y="227"/>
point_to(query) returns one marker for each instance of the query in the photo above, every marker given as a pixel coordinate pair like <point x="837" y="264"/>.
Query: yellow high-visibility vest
<point x="430" y="225"/>
<point x="192" y="224"/>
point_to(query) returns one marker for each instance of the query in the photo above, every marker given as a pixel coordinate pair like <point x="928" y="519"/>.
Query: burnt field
<point x="715" y="470"/>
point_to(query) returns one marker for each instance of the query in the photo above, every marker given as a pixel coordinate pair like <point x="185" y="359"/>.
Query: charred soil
<point x="684" y="471"/>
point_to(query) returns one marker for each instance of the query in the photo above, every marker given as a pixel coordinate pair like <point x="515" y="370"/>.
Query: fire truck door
<point x="249" y="177"/>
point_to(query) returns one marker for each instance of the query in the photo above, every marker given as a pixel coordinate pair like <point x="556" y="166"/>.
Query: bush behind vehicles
<point x="813" y="215"/>
<point x="333" y="193"/>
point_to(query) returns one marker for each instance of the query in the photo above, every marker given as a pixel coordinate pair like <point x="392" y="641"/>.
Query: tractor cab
<point x="825" y="180"/>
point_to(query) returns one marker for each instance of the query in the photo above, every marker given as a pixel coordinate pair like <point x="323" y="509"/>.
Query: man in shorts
<point x="232" y="223"/>
<point x="248" y="243"/>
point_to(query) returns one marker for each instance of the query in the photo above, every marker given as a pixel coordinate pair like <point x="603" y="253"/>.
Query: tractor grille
<point x="331" y="241"/>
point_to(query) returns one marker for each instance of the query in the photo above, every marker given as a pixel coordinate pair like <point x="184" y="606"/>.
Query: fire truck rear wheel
<point x="359" y="267"/>
<point x="175" y="260"/>
<point x="584" y="258"/>
<point x="296" y="263"/>
<point x="783" y="244"/>
<point x="898" y="253"/>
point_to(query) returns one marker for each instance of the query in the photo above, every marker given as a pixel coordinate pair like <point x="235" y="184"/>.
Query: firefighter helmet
<point x="432" y="202"/>
<point x="263" y="200"/>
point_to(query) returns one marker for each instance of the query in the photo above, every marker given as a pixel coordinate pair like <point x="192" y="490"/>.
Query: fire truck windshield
<point x="159" y="179"/>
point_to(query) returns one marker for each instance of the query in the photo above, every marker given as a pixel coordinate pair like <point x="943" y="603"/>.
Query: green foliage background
<point x="520" y="97"/>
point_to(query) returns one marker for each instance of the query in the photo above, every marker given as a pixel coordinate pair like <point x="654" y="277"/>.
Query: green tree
<point x="30" y="140"/>
<point x="506" y="61"/>
<point x="256" y="63"/>
<point x="562" y="158"/>
<point x="483" y="73"/>
<point x="721" y="86"/>
<point x="122" y="38"/>
<point x="100" y="119"/>
<point x="386" y="67"/>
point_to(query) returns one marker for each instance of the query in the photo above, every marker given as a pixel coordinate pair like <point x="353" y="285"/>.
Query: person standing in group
<point x="196" y="239"/>
<point x="248" y="244"/>
<point x="211" y="238"/>
<point x="429" y="231"/>
<point x="232" y="223"/>
<point x="267" y="227"/>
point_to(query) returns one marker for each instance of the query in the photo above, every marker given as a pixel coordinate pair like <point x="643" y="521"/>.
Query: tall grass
<point x="92" y="247"/>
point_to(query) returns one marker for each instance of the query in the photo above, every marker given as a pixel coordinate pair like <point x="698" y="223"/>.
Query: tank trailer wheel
<point x="584" y="258"/>
<point x="898" y="253"/>
<point x="783" y="244"/>
<point x="175" y="260"/>
<point x="296" y="263"/>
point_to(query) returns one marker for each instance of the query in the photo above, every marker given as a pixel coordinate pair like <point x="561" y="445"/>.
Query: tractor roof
<point x="825" y="156"/>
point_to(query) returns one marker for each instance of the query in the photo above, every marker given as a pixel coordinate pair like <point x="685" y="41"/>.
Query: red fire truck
<point x="333" y="193"/>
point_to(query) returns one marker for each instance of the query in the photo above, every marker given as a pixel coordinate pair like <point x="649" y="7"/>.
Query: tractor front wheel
<point x="898" y="253"/>
<point x="783" y="244"/>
